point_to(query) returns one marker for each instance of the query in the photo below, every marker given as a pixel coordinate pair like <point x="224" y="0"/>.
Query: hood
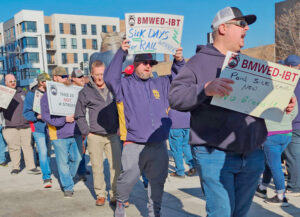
<point x="208" y="49"/>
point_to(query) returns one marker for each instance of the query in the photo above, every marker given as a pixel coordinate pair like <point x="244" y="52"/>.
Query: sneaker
<point x="174" y="174"/>
<point x="68" y="194"/>
<point x="120" y="210"/>
<point x="277" y="202"/>
<point x="261" y="193"/>
<point x="34" y="171"/>
<point x="4" y="164"/>
<point x="292" y="193"/>
<point x="191" y="172"/>
<point x="47" y="183"/>
<point x="100" y="201"/>
<point x="14" y="172"/>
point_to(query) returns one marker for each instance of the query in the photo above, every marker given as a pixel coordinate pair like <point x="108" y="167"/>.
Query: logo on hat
<point x="131" y="20"/>
<point x="234" y="60"/>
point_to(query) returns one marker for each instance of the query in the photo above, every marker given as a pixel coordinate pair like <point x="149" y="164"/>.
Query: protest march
<point x="231" y="119"/>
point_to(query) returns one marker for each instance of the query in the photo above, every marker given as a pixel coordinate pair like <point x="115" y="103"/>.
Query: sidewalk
<point x="24" y="196"/>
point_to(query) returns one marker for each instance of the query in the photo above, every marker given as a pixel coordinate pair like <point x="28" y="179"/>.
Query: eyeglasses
<point x="80" y="76"/>
<point x="14" y="81"/>
<point x="147" y="62"/>
<point x="240" y="23"/>
<point x="64" y="76"/>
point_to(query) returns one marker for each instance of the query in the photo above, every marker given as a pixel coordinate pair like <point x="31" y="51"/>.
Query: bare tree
<point x="287" y="31"/>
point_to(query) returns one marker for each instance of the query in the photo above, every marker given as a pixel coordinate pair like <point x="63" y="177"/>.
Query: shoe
<point x="277" y="202"/>
<point x="120" y="210"/>
<point x="100" y="201"/>
<point x="113" y="203"/>
<point x="14" y="172"/>
<point x="47" y="183"/>
<point x="292" y="193"/>
<point x="4" y="164"/>
<point x="68" y="194"/>
<point x="261" y="193"/>
<point x="83" y="178"/>
<point x="191" y="172"/>
<point x="34" y="171"/>
<point x="126" y="204"/>
<point x="174" y="174"/>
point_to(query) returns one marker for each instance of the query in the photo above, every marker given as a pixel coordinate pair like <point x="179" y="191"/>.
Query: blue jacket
<point x="142" y="104"/>
<point x="58" y="128"/>
<point x="30" y="115"/>
<point x="212" y="125"/>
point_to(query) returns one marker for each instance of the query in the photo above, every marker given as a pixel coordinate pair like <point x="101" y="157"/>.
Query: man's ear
<point x="222" y="29"/>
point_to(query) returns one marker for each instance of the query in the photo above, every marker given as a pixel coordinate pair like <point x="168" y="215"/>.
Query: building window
<point x="74" y="43"/>
<point x="85" y="57"/>
<point x="47" y="28"/>
<point x="94" y="44"/>
<point x="48" y="44"/>
<point x="104" y="28"/>
<point x="94" y="29"/>
<point x="49" y="58"/>
<point x="114" y="28"/>
<point x="64" y="58"/>
<point x="73" y="29"/>
<point x="31" y="42"/>
<point x="83" y="43"/>
<point x="28" y="26"/>
<point x="63" y="43"/>
<point x="75" y="58"/>
<point x="67" y="69"/>
<point x="31" y="58"/>
<point x="61" y="28"/>
<point x="83" y="29"/>
<point x="86" y="71"/>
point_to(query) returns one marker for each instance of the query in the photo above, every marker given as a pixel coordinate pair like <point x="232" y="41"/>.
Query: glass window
<point x="67" y="69"/>
<point x="49" y="59"/>
<point x="114" y="28"/>
<point x="28" y="26"/>
<point x="83" y="29"/>
<point x="104" y="28"/>
<point x="31" y="58"/>
<point x="86" y="71"/>
<point x="73" y="29"/>
<point x="83" y="43"/>
<point x="75" y="58"/>
<point x="64" y="58"/>
<point x="63" y="43"/>
<point x="94" y="44"/>
<point x="31" y="42"/>
<point x="85" y="57"/>
<point x="47" y="28"/>
<point x="74" y="43"/>
<point x="61" y="28"/>
<point x="48" y="44"/>
<point x="94" y="29"/>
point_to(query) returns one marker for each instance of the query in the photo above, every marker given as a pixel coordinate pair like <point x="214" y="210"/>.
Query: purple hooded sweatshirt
<point x="212" y="125"/>
<point x="142" y="104"/>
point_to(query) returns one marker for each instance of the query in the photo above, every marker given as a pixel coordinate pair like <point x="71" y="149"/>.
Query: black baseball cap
<point x="145" y="57"/>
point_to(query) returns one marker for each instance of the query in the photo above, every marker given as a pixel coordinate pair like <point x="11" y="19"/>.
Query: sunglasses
<point x="147" y="62"/>
<point x="240" y="23"/>
<point x="14" y="81"/>
<point x="64" y="76"/>
<point x="80" y="76"/>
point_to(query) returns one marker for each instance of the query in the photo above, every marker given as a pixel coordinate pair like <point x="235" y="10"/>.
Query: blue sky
<point x="198" y="14"/>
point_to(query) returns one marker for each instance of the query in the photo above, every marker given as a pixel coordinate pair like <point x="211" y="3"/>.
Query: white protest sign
<point x="261" y="89"/>
<point x="6" y="95"/>
<point x="37" y="102"/>
<point x="62" y="99"/>
<point x="153" y="33"/>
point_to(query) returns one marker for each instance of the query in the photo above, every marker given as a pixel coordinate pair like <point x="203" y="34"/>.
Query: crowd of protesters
<point x="129" y="117"/>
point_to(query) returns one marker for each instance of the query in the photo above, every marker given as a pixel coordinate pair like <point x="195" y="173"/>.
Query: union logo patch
<point x="156" y="94"/>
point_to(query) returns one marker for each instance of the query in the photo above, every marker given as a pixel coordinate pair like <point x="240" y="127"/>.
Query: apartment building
<point x="31" y="42"/>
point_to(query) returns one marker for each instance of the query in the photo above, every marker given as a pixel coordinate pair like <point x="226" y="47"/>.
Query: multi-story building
<point x="31" y="42"/>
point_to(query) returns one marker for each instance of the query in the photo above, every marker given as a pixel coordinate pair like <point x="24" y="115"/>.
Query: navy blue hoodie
<point x="212" y="125"/>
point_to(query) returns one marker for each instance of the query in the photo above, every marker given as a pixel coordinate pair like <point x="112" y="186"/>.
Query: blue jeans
<point x="67" y="160"/>
<point x="292" y="155"/>
<point x="43" y="146"/>
<point x="273" y="148"/>
<point x="180" y="149"/>
<point x="82" y="148"/>
<point x="2" y="147"/>
<point x="228" y="180"/>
